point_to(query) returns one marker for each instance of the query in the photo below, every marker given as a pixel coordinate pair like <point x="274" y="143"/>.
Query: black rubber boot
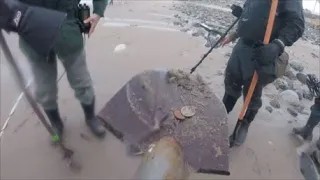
<point x="55" y="121"/>
<point x="92" y="121"/>
<point x="244" y="127"/>
<point x="229" y="102"/>
<point x="306" y="131"/>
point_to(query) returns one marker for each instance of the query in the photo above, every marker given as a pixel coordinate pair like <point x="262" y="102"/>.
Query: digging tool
<point x="164" y="160"/>
<point x="254" y="81"/>
<point x="236" y="11"/>
<point x="140" y="113"/>
<point x="67" y="153"/>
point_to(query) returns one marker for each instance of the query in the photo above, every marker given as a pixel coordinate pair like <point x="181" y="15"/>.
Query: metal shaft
<point x="163" y="161"/>
<point x="214" y="46"/>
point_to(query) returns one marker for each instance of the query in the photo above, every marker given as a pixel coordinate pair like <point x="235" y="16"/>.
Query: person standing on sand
<point x="306" y="131"/>
<point x="249" y="54"/>
<point x="310" y="156"/>
<point x="69" y="48"/>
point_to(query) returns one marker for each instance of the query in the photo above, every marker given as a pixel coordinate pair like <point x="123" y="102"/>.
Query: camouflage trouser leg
<point x="78" y="76"/>
<point x="45" y="76"/>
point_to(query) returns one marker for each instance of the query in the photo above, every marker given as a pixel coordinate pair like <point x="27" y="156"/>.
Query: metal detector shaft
<point x="19" y="77"/>
<point x="214" y="46"/>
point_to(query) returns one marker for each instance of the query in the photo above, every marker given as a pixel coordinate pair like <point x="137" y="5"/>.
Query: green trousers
<point x="70" y="51"/>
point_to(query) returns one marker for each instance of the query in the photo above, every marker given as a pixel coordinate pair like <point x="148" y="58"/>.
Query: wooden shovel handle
<point x="266" y="40"/>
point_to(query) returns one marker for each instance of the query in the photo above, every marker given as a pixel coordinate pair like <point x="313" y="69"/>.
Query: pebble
<point x="296" y="66"/>
<point x="220" y="72"/>
<point x="195" y="34"/>
<point x="281" y="84"/>
<point x="292" y="111"/>
<point x="304" y="113"/>
<point x="184" y="29"/>
<point x="298" y="106"/>
<point x="290" y="97"/>
<point x="300" y="93"/>
<point x="275" y="103"/>
<point x="199" y="32"/>
<point x="119" y="48"/>
<point x="302" y="78"/>
<point x="195" y="24"/>
<point x="177" y="23"/>
<point x="314" y="55"/>
<point x="307" y="95"/>
<point x="269" y="109"/>
<point x="289" y="74"/>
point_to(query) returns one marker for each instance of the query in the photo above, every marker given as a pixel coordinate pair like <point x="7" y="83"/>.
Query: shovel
<point x="254" y="81"/>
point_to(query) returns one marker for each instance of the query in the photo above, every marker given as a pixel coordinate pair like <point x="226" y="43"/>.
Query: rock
<point x="195" y="34"/>
<point x="220" y="72"/>
<point x="298" y="107"/>
<point x="292" y="112"/>
<point x="295" y="85"/>
<point x="281" y="84"/>
<point x="307" y="95"/>
<point x="297" y="66"/>
<point x="289" y="74"/>
<point x="314" y="55"/>
<point x="290" y="84"/>
<point x="177" y="23"/>
<point x="269" y="109"/>
<point x="300" y="93"/>
<point x="290" y="97"/>
<point x="302" y="78"/>
<point x="184" y="29"/>
<point x="195" y="24"/>
<point x="275" y="103"/>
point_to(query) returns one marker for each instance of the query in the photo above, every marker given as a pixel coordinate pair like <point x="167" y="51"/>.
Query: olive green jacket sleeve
<point x="99" y="6"/>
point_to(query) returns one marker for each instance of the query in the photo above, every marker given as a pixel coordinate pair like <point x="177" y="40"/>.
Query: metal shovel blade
<point x="141" y="113"/>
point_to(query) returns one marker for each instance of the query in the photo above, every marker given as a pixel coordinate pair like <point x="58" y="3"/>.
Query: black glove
<point x="236" y="10"/>
<point x="267" y="54"/>
<point x="267" y="73"/>
<point x="11" y="14"/>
